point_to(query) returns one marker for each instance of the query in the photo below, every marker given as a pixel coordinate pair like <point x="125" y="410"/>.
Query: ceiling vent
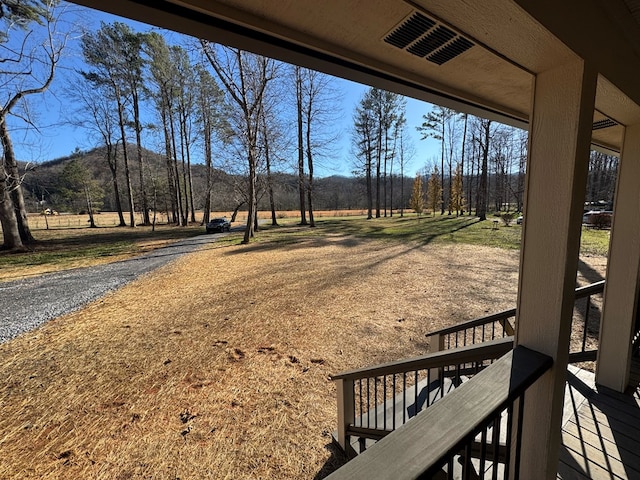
<point x="605" y="123"/>
<point x="426" y="38"/>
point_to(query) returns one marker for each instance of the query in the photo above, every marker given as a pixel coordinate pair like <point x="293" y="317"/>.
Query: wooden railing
<point x="374" y="401"/>
<point x="479" y="330"/>
<point x="502" y="324"/>
<point x="474" y="432"/>
<point x="580" y="350"/>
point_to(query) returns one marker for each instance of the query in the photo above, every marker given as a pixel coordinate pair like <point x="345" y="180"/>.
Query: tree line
<point x="62" y="182"/>
<point x="481" y="167"/>
<point x="244" y="122"/>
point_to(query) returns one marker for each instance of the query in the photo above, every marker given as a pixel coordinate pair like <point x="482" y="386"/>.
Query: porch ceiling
<point x="492" y="48"/>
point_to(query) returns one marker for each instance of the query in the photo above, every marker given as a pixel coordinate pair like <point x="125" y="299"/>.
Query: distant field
<point x="110" y="219"/>
<point x="69" y="243"/>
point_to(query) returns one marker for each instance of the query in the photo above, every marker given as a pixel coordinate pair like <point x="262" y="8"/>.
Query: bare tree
<point x="245" y="77"/>
<point x="28" y="68"/>
<point x="95" y="113"/>
<point x="318" y="100"/>
<point x="297" y="71"/>
<point x="364" y="145"/>
<point x="601" y="180"/>
<point x="398" y="125"/>
<point x="210" y="101"/>
<point x="482" y="138"/>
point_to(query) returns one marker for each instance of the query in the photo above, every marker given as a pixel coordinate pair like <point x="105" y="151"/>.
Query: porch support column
<point x="621" y="289"/>
<point x="557" y="166"/>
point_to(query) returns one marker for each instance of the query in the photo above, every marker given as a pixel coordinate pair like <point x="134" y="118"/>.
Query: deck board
<point x="601" y="430"/>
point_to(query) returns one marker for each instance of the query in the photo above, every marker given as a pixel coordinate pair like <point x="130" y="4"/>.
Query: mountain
<point x="45" y="185"/>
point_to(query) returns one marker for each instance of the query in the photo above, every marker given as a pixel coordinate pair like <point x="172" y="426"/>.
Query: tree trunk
<point x="125" y="156"/>
<point x="464" y="142"/>
<point x="235" y="211"/>
<point x="450" y="178"/>
<point x="112" y="161"/>
<point x="391" y="189"/>
<point x="401" y="177"/>
<point x="252" y="205"/>
<point x="267" y="157"/>
<point x="369" y="167"/>
<point x="176" y="172"/>
<point x="393" y="156"/>
<point x="13" y="185"/>
<point x="185" y="182"/>
<point x="301" y="175"/>
<point x="171" y="183"/>
<point x="87" y="196"/>
<point x="482" y="198"/>
<point x="473" y="180"/>
<point x="207" y="161"/>
<point x="10" y="231"/>
<point x="138" y="129"/>
<point x="442" y="208"/>
<point x="190" y="180"/>
<point x="378" y="168"/>
<point x="386" y="140"/>
<point x="312" y="222"/>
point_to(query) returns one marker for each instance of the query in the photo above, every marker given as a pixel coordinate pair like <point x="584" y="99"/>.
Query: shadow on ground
<point x="352" y="233"/>
<point x="335" y="461"/>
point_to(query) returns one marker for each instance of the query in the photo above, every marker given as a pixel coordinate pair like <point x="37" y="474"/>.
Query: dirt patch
<point x="218" y="365"/>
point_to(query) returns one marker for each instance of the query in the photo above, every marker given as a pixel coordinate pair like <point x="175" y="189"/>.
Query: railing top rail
<point x="581" y="292"/>
<point x="455" y="356"/>
<point x="597" y="287"/>
<point x="409" y="452"/>
<point x="476" y="322"/>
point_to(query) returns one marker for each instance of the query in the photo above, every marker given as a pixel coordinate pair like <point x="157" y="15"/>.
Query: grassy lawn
<point x="64" y="248"/>
<point x="396" y="229"/>
<point x="217" y="365"/>
<point x="426" y="229"/>
<point x="69" y="245"/>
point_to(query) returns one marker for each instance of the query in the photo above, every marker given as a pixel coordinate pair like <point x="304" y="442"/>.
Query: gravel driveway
<point x="27" y="304"/>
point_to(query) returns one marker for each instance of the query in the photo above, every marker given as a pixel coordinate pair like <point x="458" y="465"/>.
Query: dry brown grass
<point x="217" y="366"/>
<point x="70" y="235"/>
<point x="110" y="219"/>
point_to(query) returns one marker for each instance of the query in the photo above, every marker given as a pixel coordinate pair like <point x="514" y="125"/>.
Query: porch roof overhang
<point x="477" y="57"/>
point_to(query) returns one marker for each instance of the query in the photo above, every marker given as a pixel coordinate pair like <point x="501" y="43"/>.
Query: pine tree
<point x="457" y="192"/>
<point x="416" y="202"/>
<point x="434" y="191"/>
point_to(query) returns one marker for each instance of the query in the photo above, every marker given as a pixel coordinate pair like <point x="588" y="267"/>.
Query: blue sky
<point x="55" y="138"/>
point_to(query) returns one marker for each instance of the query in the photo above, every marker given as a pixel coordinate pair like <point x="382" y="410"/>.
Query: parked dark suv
<point x="218" y="225"/>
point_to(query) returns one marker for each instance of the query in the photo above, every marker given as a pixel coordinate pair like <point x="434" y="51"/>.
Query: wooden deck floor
<point x="601" y="430"/>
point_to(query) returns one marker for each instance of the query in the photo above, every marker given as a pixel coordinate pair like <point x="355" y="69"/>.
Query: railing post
<point x="346" y="411"/>
<point x="436" y="343"/>
<point x="516" y="437"/>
